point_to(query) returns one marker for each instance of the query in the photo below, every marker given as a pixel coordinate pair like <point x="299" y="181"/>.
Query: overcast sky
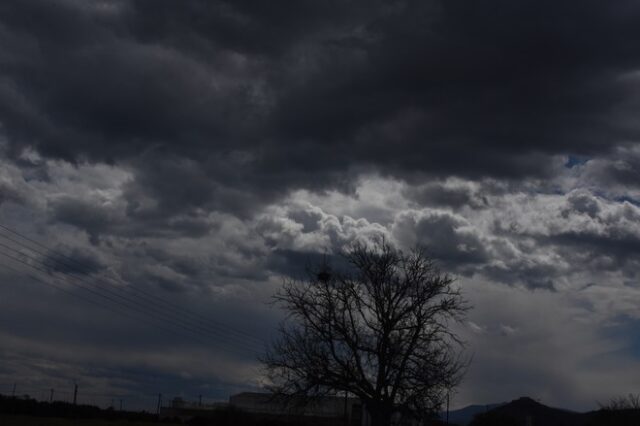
<point x="200" y="151"/>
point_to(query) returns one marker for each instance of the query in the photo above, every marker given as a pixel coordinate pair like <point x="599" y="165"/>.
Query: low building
<point x="326" y="410"/>
<point x="186" y="410"/>
<point x="349" y="410"/>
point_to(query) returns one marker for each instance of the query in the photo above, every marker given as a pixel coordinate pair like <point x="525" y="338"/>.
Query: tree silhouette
<point x="379" y="330"/>
<point x="624" y="402"/>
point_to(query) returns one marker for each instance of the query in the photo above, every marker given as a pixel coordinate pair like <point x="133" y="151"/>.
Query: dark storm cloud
<point x="73" y="260"/>
<point x="450" y="239"/>
<point x="186" y="265"/>
<point x="441" y="195"/>
<point x="87" y="88"/>
<point x="475" y="89"/>
<point x="90" y="218"/>
<point x="243" y="26"/>
<point x="618" y="246"/>
<point x="136" y="220"/>
<point x="533" y="276"/>
<point x="582" y="203"/>
<point x="297" y="264"/>
<point x="307" y="91"/>
<point x="601" y="232"/>
<point x="201" y="150"/>
<point x="621" y="168"/>
<point x="8" y="194"/>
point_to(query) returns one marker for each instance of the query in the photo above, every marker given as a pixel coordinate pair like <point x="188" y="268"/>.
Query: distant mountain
<point x="527" y="412"/>
<point x="463" y="416"/>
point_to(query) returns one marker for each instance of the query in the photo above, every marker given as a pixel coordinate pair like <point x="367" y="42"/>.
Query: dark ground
<point x="527" y="412"/>
<point x="23" y="420"/>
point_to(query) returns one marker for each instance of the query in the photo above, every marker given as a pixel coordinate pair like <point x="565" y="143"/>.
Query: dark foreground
<point x="527" y="412"/>
<point x="29" y="412"/>
<point x="521" y="412"/>
<point x="23" y="420"/>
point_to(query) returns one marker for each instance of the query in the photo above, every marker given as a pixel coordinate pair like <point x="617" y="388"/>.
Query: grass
<point x="12" y="420"/>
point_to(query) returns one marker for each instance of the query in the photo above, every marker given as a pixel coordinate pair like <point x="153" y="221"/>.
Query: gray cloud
<point x="318" y="93"/>
<point x="444" y="195"/>
<point x="449" y="238"/>
<point x="201" y="152"/>
<point x="92" y="219"/>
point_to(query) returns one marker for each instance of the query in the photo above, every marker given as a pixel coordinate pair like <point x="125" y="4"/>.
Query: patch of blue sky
<point x="575" y="160"/>
<point x="626" y="330"/>
<point x="628" y="199"/>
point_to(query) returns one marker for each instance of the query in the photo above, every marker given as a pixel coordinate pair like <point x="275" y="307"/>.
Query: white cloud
<point x="548" y="272"/>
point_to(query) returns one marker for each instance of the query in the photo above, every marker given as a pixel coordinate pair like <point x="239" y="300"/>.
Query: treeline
<point x="226" y="417"/>
<point x="595" y="418"/>
<point x="527" y="412"/>
<point x="31" y="407"/>
<point x="233" y="417"/>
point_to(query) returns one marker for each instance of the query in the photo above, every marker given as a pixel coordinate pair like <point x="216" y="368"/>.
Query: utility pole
<point x="120" y="404"/>
<point x="51" y="395"/>
<point x="159" y="403"/>
<point x="13" y="393"/>
<point x="200" y="400"/>
<point x="447" y="407"/>
<point x="75" y="393"/>
<point x="346" y="415"/>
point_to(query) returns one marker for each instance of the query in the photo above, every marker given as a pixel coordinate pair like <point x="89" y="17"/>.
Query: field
<point x="12" y="420"/>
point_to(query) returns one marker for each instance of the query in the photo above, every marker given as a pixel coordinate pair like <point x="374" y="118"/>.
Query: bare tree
<point x="628" y="402"/>
<point x="379" y="330"/>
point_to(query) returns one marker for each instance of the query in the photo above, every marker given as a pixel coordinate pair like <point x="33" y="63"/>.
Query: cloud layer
<point x="202" y="152"/>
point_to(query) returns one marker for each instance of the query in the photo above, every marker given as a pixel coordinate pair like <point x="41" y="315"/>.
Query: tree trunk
<point x="380" y="416"/>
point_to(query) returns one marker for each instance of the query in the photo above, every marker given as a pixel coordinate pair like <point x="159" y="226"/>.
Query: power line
<point x="85" y="271"/>
<point x="177" y="314"/>
<point x="193" y="334"/>
<point x="87" y="299"/>
<point x="107" y="292"/>
<point x="34" y="390"/>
